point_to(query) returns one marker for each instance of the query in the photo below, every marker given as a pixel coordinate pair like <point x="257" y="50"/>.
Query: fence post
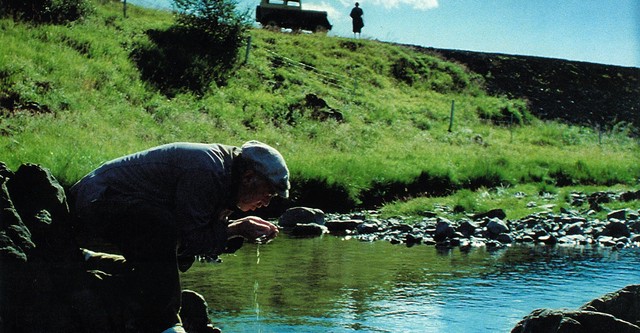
<point x="246" y="54"/>
<point x="599" y="134"/>
<point x="355" y="85"/>
<point x="511" y="129"/>
<point x="453" y="102"/>
<point x="124" y="8"/>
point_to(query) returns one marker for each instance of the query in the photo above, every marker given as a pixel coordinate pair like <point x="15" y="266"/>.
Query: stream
<point x="332" y="284"/>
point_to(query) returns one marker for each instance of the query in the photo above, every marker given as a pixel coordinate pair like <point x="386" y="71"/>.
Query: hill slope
<point x="361" y="123"/>
<point x="576" y="92"/>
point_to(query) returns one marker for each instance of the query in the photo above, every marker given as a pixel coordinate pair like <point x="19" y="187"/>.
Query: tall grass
<point x="72" y="97"/>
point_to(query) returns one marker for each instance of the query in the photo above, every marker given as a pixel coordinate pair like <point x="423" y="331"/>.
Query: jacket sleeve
<point x="199" y="203"/>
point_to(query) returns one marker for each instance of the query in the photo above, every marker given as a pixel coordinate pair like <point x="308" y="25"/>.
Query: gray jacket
<point x="192" y="180"/>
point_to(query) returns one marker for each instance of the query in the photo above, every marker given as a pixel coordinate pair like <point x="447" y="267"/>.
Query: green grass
<point x="93" y="105"/>
<point x="517" y="201"/>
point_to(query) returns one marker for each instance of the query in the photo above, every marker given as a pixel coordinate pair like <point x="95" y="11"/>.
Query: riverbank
<point x="490" y="229"/>
<point x="35" y="245"/>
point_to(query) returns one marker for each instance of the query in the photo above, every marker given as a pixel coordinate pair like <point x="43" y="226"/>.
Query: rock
<point x="429" y="214"/>
<point x="34" y="189"/>
<point x="308" y="230"/>
<point x="4" y="171"/>
<point x="623" y="304"/>
<point x="567" y="321"/>
<point x="526" y="239"/>
<point x="367" y="228"/>
<point x="617" y="228"/>
<point x="494" y="213"/>
<point x="467" y="228"/>
<point x="574" y="228"/>
<point x="497" y="226"/>
<point x="34" y="218"/>
<point x="620" y="214"/>
<point x="15" y="237"/>
<point x="630" y="196"/>
<point x="444" y="230"/>
<point x="316" y="107"/>
<point x="573" y="239"/>
<point x="606" y="241"/>
<point x="548" y="239"/>
<point x="301" y="215"/>
<point x="193" y="312"/>
<point x="504" y="238"/>
<point x="342" y="225"/>
<point x="614" y="312"/>
<point x="413" y="239"/>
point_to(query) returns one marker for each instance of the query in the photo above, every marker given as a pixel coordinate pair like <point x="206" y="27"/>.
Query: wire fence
<point x="152" y="4"/>
<point x="346" y="82"/>
<point x="327" y="77"/>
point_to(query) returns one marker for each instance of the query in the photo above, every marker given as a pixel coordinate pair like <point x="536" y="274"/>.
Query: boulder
<point x="38" y="246"/>
<point x="568" y="321"/>
<point x="444" y="230"/>
<point x="367" y="228"/>
<point x="45" y="283"/>
<point x="467" y="228"/>
<point x="494" y="213"/>
<point x="623" y="304"/>
<point x="616" y="228"/>
<point x="497" y="226"/>
<point x="308" y="230"/>
<point x="15" y="237"/>
<point x="193" y="313"/>
<point x="301" y="215"/>
<point x="504" y="238"/>
<point x="620" y="214"/>
<point x="614" y="312"/>
<point x="342" y="225"/>
<point x="574" y="228"/>
<point x="629" y="196"/>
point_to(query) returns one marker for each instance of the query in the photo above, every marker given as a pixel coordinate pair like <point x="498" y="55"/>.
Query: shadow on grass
<point x="184" y="60"/>
<point x="424" y="185"/>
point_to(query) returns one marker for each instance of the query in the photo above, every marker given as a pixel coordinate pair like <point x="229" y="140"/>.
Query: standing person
<point x="358" y="22"/>
<point x="172" y="202"/>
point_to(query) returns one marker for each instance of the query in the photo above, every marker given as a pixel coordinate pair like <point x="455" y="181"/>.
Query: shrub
<point x="499" y="112"/>
<point x="200" y="49"/>
<point x="46" y="11"/>
<point x="216" y="18"/>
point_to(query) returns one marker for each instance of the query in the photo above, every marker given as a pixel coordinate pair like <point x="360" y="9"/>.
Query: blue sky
<point x="600" y="31"/>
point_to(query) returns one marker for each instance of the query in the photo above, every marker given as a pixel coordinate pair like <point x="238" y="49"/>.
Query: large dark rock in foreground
<point x="37" y="258"/>
<point x="615" y="312"/>
<point x="45" y="283"/>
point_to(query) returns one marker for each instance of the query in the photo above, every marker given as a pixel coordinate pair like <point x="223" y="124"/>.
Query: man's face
<point x="254" y="192"/>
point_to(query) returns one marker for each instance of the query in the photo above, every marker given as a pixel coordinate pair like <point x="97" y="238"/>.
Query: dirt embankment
<point x="571" y="91"/>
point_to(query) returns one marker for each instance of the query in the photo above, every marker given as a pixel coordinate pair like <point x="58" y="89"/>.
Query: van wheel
<point x="321" y="29"/>
<point x="272" y="25"/>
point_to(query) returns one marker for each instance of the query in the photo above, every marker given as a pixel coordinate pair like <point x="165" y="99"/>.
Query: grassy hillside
<point x="360" y="122"/>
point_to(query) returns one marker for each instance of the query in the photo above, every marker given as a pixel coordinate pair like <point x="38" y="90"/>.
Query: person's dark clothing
<point x="358" y="22"/>
<point x="158" y="206"/>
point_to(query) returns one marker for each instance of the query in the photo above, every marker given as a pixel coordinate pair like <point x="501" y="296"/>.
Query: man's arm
<point x="252" y="228"/>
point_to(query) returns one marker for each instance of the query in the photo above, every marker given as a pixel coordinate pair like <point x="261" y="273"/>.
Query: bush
<point x="200" y="49"/>
<point x="216" y="18"/>
<point x="499" y="112"/>
<point x="46" y="11"/>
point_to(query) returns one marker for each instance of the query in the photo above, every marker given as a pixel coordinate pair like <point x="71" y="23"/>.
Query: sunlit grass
<point x="517" y="202"/>
<point x="396" y="106"/>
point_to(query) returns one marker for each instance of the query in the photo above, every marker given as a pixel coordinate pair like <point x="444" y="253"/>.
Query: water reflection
<point x="333" y="285"/>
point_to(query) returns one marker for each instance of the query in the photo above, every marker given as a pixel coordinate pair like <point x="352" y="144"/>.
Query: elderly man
<point x="163" y="206"/>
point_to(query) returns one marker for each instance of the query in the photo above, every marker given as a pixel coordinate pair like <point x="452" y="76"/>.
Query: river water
<point x="330" y="284"/>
